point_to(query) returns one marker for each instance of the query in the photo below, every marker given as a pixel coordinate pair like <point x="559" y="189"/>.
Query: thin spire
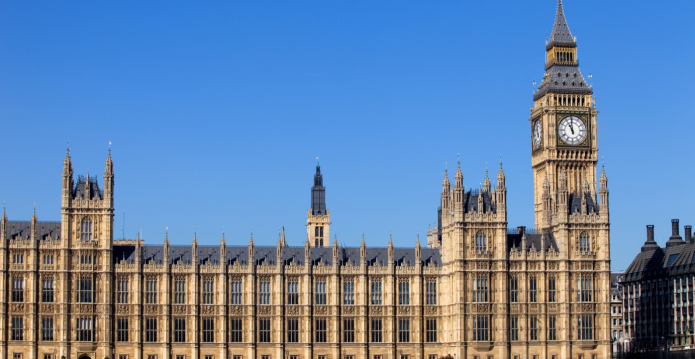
<point x="561" y="32"/>
<point x="251" y="239"/>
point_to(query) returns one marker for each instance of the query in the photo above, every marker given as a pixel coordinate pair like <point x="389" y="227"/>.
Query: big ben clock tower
<point x="563" y="121"/>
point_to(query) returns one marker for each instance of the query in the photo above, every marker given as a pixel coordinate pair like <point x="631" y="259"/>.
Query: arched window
<point x="480" y="242"/>
<point x="86" y="230"/>
<point x="584" y="242"/>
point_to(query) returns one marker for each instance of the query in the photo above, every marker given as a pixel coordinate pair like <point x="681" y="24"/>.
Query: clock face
<point x="572" y="130"/>
<point x="537" y="134"/>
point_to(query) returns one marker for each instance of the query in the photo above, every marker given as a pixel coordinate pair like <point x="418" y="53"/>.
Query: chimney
<point x="650" y="245"/>
<point x="520" y="230"/>
<point x="675" y="238"/>
<point x="688" y="234"/>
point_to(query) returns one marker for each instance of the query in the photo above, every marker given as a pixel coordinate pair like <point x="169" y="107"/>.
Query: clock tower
<point x="563" y="121"/>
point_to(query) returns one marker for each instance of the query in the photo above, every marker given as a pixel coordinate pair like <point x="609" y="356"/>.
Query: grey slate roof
<point x="94" y="191"/>
<point x="126" y="253"/>
<point x="563" y="79"/>
<point x="662" y="261"/>
<point x="575" y="203"/>
<point x="532" y="240"/>
<point x="23" y="230"/>
<point x="153" y="254"/>
<point x="238" y="254"/>
<point x="561" y="34"/>
<point x="180" y="254"/>
<point x="470" y="201"/>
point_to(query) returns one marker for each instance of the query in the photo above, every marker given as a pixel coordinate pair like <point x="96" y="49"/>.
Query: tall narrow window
<point x="151" y="291"/>
<point x="514" y="290"/>
<point x="376" y="292"/>
<point x="208" y="291"/>
<point x="321" y="330"/>
<point x="404" y="292"/>
<point x="47" y="290"/>
<point x="208" y="330"/>
<point x="293" y="330"/>
<point x="404" y="330"/>
<point x="17" y="289"/>
<point x="180" y="330"/>
<point x="533" y="290"/>
<point x="293" y="292"/>
<point x="264" y="330"/>
<point x="48" y="259"/>
<point x="586" y="327"/>
<point x="584" y="288"/>
<point x="349" y="292"/>
<point x="122" y="291"/>
<point x="180" y="291"/>
<point x="431" y="289"/>
<point x="84" y="290"/>
<point x="514" y="326"/>
<point x="551" y="289"/>
<point x="84" y="329"/>
<point x="551" y="328"/>
<point x="122" y="329"/>
<point x="236" y="330"/>
<point x="236" y="295"/>
<point x="480" y="288"/>
<point x="265" y="291"/>
<point x="533" y="328"/>
<point x="481" y="328"/>
<point x="151" y="329"/>
<point x="321" y="292"/>
<point x="480" y="242"/>
<point x="86" y="230"/>
<point x="47" y="329"/>
<point x="17" y="328"/>
<point x="584" y="242"/>
<point x="431" y="330"/>
<point x="349" y="330"/>
<point x="377" y="336"/>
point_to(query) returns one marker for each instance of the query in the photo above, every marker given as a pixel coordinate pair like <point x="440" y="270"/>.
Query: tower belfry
<point x="318" y="216"/>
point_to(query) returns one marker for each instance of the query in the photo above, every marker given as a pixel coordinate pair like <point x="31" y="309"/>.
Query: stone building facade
<point x="477" y="290"/>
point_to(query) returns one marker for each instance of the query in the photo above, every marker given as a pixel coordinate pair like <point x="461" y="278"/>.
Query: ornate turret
<point x="486" y="182"/>
<point x="418" y="251"/>
<point x="501" y="190"/>
<point x="252" y="247"/>
<point x="3" y="227"/>
<point x="363" y="253"/>
<point x="336" y="256"/>
<point x="68" y="181"/>
<point x="390" y="250"/>
<point x="34" y="221"/>
<point x="603" y="192"/>
<point x="318" y="217"/>
<point x="108" y="179"/>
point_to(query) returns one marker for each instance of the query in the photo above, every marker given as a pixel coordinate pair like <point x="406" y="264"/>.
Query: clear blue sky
<point x="217" y="110"/>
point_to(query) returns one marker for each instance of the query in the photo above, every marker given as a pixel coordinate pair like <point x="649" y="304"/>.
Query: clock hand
<point x="571" y="126"/>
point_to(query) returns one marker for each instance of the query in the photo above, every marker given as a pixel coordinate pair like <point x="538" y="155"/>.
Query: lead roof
<point x="22" y="229"/>
<point x="655" y="263"/>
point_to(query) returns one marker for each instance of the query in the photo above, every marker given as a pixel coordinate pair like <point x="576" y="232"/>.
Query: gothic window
<point x="48" y="260"/>
<point x="349" y="330"/>
<point x="84" y="329"/>
<point x="551" y="289"/>
<point x="514" y="326"/>
<point x="208" y="291"/>
<point x="86" y="230"/>
<point x="431" y="289"/>
<point x="17" y="289"/>
<point x="265" y="291"/>
<point x="293" y="292"/>
<point x="151" y="329"/>
<point x="404" y="292"/>
<point x="480" y="242"/>
<point x="236" y="330"/>
<point x="349" y="292"/>
<point x="584" y="242"/>
<point x="404" y="330"/>
<point x="431" y="330"/>
<point x="321" y="292"/>
<point x="533" y="328"/>
<point x="514" y="290"/>
<point x="17" y="328"/>
<point x="480" y="288"/>
<point x="47" y="329"/>
<point x="236" y="294"/>
<point x="180" y="291"/>
<point x="481" y="328"/>
<point x="377" y="335"/>
<point x="376" y="292"/>
<point x="586" y="327"/>
<point x="151" y="291"/>
<point x="122" y="329"/>
<point x="293" y="330"/>
<point x="84" y="290"/>
<point x="180" y="330"/>
<point x="584" y="288"/>
<point x="122" y="291"/>
<point x="321" y="330"/>
<point x="18" y="259"/>
<point x="208" y="330"/>
<point x="85" y="259"/>
<point x="533" y="289"/>
<point x="264" y="330"/>
<point x="47" y="290"/>
<point x="552" y="332"/>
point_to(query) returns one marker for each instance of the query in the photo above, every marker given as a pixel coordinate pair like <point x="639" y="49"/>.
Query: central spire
<point x="561" y="32"/>
<point x="318" y="194"/>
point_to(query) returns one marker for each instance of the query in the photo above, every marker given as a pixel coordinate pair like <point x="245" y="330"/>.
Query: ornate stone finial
<point x="166" y="235"/>
<point x="251" y="239"/>
<point x="68" y="148"/>
<point x="335" y="240"/>
<point x="4" y="215"/>
<point x="390" y="239"/>
<point x="417" y="241"/>
<point x="363" y="243"/>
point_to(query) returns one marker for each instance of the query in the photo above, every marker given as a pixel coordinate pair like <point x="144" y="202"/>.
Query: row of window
<point x="481" y="240"/>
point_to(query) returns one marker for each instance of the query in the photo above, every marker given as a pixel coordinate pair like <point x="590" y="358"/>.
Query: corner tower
<point x="318" y="217"/>
<point x="563" y="120"/>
